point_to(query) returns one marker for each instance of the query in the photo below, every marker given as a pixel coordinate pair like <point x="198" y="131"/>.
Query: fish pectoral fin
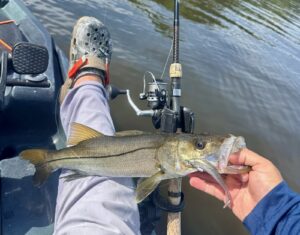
<point x="80" y="132"/>
<point x="130" y="133"/>
<point x="147" y="185"/>
<point x="41" y="174"/>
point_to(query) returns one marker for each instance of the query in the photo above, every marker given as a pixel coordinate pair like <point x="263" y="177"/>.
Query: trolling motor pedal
<point x="28" y="58"/>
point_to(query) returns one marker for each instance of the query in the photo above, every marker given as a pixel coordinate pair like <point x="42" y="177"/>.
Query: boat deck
<point x="28" y="119"/>
<point x="25" y="209"/>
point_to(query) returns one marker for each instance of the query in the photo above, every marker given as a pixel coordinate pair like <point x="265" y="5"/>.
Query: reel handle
<point x="113" y="91"/>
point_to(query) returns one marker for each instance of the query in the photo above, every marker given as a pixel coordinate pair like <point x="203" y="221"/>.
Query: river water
<point x="241" y="75"/>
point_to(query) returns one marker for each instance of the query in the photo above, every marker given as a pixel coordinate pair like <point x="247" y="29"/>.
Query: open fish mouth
<point x="230" y="145"/>
<point x="220" y="158"/>
<point x="217" y="163"/>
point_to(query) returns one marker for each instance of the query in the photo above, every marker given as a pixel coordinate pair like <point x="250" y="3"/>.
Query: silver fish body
<point x="154" y="157"/>
<point x="125" y="156"/>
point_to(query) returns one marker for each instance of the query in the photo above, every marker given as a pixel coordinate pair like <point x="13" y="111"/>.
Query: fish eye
<point x="200" y="145"/>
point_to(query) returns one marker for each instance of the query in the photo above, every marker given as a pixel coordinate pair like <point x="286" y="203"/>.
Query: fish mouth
<point x="219" y="159"/>
<point x="217" y="163"/>
<point x="230" y="145"/>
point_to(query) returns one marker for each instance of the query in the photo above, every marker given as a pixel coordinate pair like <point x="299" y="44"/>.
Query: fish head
<point x="211" y="154"/>
<point x="196" y="151"/>
<point x="181" y="151"/>
<point x="193" y="147"/>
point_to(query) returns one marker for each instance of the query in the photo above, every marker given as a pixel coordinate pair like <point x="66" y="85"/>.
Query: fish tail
<point x="38" y="158"/>
<point x="35" y="156"/>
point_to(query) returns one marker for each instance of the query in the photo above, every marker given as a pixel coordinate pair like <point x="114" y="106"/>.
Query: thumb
<point x="246" y="157"/>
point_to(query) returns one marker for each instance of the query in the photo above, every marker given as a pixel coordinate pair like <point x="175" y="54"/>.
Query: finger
<point x="244" y="178"/>
<point x="246" y="157"/>
<point x="210" y="188"/>
<point x="234" y="181"/>
<point x="202" y="175"/>
<point x="205" y="176"/>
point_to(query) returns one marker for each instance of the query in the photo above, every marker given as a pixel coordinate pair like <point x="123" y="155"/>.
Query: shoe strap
<point x="89" y="62"/>
<point x="77" y="65"/>
<point x="94" y="62"/>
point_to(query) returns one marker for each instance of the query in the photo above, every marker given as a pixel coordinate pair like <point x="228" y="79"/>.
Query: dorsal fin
<point x="80" y="132"/>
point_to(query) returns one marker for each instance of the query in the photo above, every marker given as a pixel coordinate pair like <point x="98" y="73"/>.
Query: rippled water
<point x="241" y="63"/>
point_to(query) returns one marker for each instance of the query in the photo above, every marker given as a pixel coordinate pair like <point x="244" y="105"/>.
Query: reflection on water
<point x="241" y="64"/>
<point x="278" y="16"/>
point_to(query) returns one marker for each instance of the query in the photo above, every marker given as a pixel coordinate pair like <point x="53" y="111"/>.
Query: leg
<point x="93" y="205"/>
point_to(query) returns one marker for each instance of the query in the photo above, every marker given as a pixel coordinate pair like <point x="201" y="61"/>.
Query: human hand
<point x="247" y="189"/>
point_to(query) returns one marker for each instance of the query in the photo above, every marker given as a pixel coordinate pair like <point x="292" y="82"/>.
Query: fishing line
<point x="153" y="77"/>
<point x="171" y="49"/>
<point x="105" y="15"/>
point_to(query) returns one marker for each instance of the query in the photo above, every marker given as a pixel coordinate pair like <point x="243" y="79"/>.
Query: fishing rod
<point x="165" y="110"/>
<point x="174" y="190"/>
<point x="168" y="116"/>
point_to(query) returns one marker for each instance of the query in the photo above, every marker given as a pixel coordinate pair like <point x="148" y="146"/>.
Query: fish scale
<point x="116" y="166"/>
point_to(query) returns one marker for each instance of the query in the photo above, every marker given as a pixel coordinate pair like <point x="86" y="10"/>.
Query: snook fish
<point x="154" y="157"/>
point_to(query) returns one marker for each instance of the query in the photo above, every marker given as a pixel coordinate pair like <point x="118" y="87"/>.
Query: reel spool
<point x="156" y="94"/>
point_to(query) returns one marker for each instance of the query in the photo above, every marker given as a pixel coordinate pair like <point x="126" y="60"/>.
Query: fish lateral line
<point x="93" y="157"/>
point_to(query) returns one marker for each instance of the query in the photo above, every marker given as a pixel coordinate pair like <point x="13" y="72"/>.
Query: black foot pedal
<point x="29" y="58"/>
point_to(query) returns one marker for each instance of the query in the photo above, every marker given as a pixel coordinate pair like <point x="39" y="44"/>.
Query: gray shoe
<point x="90" y="38"/>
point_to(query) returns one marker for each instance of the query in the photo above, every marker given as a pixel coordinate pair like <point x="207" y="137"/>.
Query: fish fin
<point x="147" y="185"/>
<point x="130" y="132"/>
<point x="41" y="174"/>
<point x="35" y="156"/>
<point x="38" y="158"/>
<point x="80" y="132"/>
<point x="73" y="176"/>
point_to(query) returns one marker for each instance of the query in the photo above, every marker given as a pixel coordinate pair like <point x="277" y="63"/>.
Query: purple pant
<point x="93" y="205"/>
